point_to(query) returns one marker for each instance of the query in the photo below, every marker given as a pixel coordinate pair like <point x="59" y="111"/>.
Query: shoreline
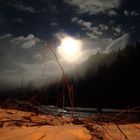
<point x="15" y="124"/>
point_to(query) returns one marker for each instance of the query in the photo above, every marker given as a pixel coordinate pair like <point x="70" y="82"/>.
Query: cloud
<point x="107" y="41"/>
<point x="6" y="36"/>
<point x="25" y="42"/>
<point x="24" y="8"/>
<point x="126" y="13"/>
<point x="94" y="33"/>
<point x="94" y="6"/>
<point x="132" y="13"/>
<point x="87" y="24"/>
<point x="54" y="24"/>
<point x="117" y="29"/>
<point x="19" y="6"/>
<point x="111" y="22"/>
<point x="74" y="19"/>
<point x="90" y="31"/>
<point x="83" y="23"/>
<point x="17" y="49"/>
<point x="89" y="52"/>
<point x="19" y="59"/>
<point x="119" y="44"/>
<point x="37" y="64"/>
<point x="91" y="35"/>
<point x="112" y="13"/>
<point x="103" y="27"/>
<point x="95" y="30"/>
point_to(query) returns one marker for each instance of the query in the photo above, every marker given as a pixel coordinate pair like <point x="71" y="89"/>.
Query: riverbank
<point x="15" y="124"/>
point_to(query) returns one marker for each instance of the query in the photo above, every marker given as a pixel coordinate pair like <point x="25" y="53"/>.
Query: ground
<point x="20" y="125"/>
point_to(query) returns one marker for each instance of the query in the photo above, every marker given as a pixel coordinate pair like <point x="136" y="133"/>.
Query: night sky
<point x="25" y="25"/>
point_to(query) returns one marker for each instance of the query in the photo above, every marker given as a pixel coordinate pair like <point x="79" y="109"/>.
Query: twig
<point x="135" y="126"/>
<point x="120" y="113"/>
<point x="122" y="132"/>
<point x="64" y="77"/>
<point x="42" y="137"/>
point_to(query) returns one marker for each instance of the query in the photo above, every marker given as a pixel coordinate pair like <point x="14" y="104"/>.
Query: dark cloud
<point x="94" y="6"/>
<point x="54" y="24"/>
<point x="131" y="13"/>
<point x="112" y="13"/>
<point x="18" y="5"/>
<point x="24" y="8"/>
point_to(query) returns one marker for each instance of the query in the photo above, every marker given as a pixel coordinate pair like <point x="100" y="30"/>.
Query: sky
<point x="25" y="25"/>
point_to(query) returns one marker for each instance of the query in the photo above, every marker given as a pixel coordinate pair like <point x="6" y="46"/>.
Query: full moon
<point x="70" y="49"/>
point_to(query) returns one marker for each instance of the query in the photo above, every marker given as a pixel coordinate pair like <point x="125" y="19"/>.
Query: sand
<point x="20" y="125"/>
<point x="45" y="133"/>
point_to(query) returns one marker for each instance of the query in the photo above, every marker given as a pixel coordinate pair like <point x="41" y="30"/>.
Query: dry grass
<point x="98" y="129"/>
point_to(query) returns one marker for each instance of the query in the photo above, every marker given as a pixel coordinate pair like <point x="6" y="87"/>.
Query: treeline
<point x="110" y="80"/>
<point x="104" y="80"/>
<point x="116" y="81"/>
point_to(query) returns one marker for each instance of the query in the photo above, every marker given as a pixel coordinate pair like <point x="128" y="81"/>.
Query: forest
<point x="110" y="80"/>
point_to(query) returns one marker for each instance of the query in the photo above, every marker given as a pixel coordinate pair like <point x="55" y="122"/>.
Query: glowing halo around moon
<point x="70" y="49"/>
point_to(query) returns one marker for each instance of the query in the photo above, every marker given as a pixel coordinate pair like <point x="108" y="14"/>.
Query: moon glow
<point x="70" y="49"/>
